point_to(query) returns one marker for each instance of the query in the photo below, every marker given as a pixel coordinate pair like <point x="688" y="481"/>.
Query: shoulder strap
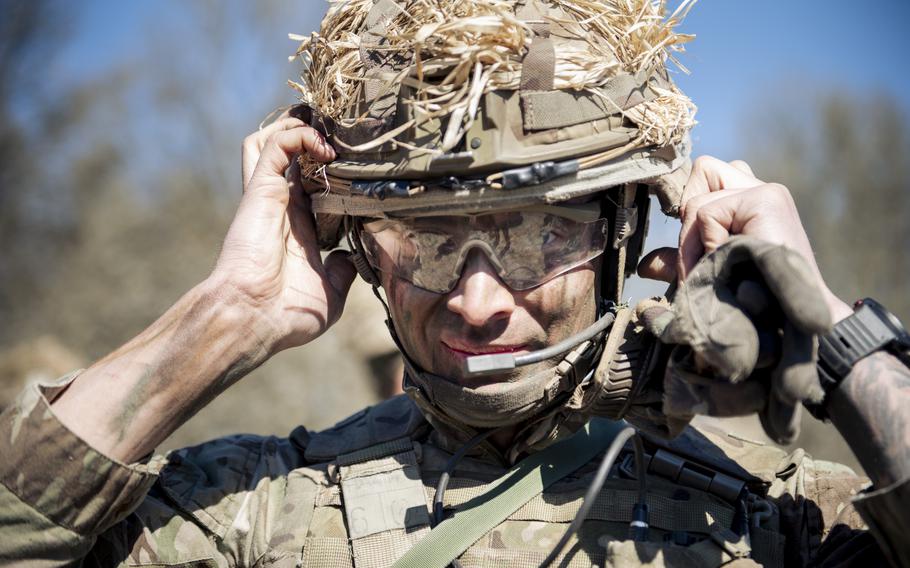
<point x="507" y="494"/>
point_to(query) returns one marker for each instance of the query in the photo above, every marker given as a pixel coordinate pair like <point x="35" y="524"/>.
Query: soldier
<point x="490" y="165"/>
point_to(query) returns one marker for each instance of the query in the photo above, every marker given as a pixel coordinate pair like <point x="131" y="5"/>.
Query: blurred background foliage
<point x="117" y="190"/>
<point x="117" y="185"/>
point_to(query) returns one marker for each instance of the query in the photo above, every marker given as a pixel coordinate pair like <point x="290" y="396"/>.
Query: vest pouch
<point x="705" y="554"/>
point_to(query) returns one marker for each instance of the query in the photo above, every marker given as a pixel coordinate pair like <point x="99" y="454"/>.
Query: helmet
<point x="437" y="107"/>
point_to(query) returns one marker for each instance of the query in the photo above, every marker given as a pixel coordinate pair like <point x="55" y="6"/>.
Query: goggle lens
<point x="527" y="248"/>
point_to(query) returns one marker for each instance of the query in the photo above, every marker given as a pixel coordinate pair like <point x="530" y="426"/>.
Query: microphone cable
<point x="641" y="509"/>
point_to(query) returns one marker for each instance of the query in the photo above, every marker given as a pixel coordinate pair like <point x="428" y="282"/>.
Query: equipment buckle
<point x="686" y="473"/>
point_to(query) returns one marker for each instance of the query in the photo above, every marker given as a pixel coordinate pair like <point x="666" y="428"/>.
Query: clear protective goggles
<point x="527" y="247"/>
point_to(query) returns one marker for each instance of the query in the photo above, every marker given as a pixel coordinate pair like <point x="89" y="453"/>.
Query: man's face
<point x="483" y="315"/>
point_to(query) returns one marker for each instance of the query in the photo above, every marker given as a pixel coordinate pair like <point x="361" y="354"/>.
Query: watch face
<point x="896" y="323"/>
<point x="901" y="337"/>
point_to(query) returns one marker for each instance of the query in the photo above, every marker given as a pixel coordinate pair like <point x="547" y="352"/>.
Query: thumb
<point x="340" y="272"/>
<point x="659" y="264"/>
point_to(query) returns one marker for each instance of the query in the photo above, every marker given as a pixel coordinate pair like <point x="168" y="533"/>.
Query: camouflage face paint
<point x="434" y="328"/>
<point x="526" y="248"/>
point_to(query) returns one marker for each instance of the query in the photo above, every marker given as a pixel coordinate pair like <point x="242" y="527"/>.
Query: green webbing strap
<point x="507" y="494"/>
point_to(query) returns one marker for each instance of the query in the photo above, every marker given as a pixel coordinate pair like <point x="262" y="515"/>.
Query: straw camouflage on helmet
<point x="449" y="106"/>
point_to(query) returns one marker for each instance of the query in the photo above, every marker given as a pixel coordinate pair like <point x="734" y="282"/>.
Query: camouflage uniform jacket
<point x="358" y="495"/>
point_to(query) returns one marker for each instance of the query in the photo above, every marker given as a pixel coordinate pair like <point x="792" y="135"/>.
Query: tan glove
<point x="744" y="323"/>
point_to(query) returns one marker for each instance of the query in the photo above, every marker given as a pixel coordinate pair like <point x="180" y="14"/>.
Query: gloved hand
<point x="744" y="323"/>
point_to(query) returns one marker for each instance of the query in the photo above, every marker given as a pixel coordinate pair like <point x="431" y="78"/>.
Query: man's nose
<point x="480" y="296"/>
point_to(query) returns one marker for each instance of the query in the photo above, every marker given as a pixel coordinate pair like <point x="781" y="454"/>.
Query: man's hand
<point x="762" y="289"/>
<point x="869" y="407"/>
<point x="270" y="290"/>
<point x="270" y="258"/>
<point x="724" y="199"/>
<point x="744" y="321"/>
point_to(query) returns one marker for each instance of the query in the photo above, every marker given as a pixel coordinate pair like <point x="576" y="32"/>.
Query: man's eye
<point x="553" y="238"/>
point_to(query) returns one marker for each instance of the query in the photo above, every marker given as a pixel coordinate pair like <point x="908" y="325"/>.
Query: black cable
<point x="640" y="467"/>
<point x="591" y="495"/>
<point x="443" y="483"/>
<point x="639" y="528"/>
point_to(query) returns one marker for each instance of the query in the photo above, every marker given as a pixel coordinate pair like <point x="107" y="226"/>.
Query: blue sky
<point x="747" y="54"/>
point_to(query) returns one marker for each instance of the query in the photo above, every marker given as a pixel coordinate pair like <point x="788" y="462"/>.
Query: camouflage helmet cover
<point x="440" y="106"/>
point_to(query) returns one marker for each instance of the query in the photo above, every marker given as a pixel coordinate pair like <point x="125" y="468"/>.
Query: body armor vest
<point x="374" y="477"/>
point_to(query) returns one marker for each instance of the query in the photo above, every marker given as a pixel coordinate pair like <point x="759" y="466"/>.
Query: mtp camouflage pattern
<point x="358" y="494"/>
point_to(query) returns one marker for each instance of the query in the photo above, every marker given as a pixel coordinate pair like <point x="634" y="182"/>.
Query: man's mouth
<point x="469" y="350"/>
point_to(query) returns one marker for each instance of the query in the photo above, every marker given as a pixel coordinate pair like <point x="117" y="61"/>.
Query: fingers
<point x="303" y="226"/>
<point x="766" y="211"/>
<point x="687" y="393"/>
<point x="795" y="286"/>
<point x="300" y="217"/>
<point x="656" y="318"/>
<point x="743" y="167"/>
<point x="252" y="145"/>
<point x="796" y="377"/>
<point x="761" y="307"/>
<point x="268" y="152"/>
<point x="659" y="264"/>
<point x="281" y="146"/>
<point x="340" y="271"/>
<point x="780" y="420"/>
<point x="338" y="268"/>
<point x="709" y="175"/>
<point x="794" y="380"/>
<point x="720" y="216"/>
<point x="754" y="298"/>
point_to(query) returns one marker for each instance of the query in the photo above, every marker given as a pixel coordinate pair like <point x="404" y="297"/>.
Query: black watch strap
<point x="871" y="328"/>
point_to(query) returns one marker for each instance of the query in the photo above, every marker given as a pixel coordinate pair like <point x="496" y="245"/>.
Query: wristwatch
<point x="870" y="328"/>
